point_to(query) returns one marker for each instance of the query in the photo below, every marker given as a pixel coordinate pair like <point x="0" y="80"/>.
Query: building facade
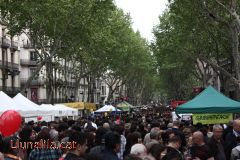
<point x="64" y="79"/>
<point x="19" y="61"/>
<point x="9" y="62"/>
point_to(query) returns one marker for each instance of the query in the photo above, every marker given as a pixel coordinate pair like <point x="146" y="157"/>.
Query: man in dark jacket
<point x="173" y="147"/>
<point x="112" y="146"/>
<point x="230" y="138"/>
<point x="79" y="147"/>
<point x="178" y="132"/>
<point x="216" y="143"/>
<point x="200" y="150"/>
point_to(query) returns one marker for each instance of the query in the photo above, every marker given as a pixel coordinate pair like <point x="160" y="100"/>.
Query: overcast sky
<point x="144" y="14"/>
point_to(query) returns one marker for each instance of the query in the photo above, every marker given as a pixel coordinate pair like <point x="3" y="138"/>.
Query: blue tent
<point x="210" y="101"/>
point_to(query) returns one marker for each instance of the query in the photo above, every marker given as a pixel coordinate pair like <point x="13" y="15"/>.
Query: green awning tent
<point x="124" y="106"/>
<point x="209" y="101"/>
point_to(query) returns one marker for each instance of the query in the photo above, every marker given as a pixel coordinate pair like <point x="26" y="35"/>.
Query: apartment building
<point x="64" y="79"/>
<point x="18" y="62"/>
<point x="9" y="62"/>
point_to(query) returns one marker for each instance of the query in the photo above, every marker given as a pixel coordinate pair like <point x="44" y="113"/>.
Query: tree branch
<point x="221" y="69"/>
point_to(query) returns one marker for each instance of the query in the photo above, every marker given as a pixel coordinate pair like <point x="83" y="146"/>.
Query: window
<point x="13" y="81"/>
<point x="34" y="94"/>
<point x="103" y="90"/>
<point x="33" y="56"/>
<point x="32" y="71"/>
<point x="12" y="57"/>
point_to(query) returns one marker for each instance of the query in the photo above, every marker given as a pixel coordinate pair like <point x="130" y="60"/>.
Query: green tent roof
<point x="210" y="101"/>
<point x="125" y="106"/>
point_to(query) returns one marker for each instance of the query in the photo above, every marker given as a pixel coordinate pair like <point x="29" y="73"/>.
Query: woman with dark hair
<point x="167" y="135"/>
<point x="25" y="137"/>
<point x="99" y="140"/>
<point x="8" y="151"/>
<point x="132" y="138"/>
<point x="157" y="151"/>
<point x="45" y="152"/>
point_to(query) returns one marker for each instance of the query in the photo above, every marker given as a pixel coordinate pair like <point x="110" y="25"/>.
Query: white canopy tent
<point x="107" y="108"/>
<point x="28" y="106"/>
<point x="7" y="103"/>
<point x="58" y="110"/>
<point x="65" y="111"/>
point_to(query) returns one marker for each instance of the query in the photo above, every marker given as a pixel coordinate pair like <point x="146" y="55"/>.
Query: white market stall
<point x="65" y="111"/>
<point x="7" y="103"/>
<point x="34" y="109"/>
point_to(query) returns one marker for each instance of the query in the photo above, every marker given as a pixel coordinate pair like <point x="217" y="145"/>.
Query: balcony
<point x="6" y="43"/>
<point x="34" y="82"/>
<point x="28" y="45"/>
<point x="3" y="64"/>
<point x="14" y="45"/>
<point x="27" y="62"/>
<point x="12" y="68"/>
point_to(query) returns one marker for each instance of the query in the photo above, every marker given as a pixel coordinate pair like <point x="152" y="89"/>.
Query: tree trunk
<point x="89" y="89"/>
<point x="110" y="94"/>
<point x="50" y="86"/>
<point x="84" y="89"/>
<point x="236" y="56"/>
<point x="55" y="87"/>
<point x="76" y="93"/>
<point x="65" y="80"/>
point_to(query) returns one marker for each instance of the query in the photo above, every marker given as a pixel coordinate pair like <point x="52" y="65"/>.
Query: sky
<point x="144" y="14"/>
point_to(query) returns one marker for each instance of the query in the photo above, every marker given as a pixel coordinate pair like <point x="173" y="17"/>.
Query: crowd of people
<point x="147" y="135"/>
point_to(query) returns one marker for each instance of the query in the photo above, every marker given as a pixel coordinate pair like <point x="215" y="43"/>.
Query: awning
<point x="125" y="106"/>
<point x="81" y="105"/>
<point x="209" y="101"/>
<point x="77" y="105"/>
<point x="89" y="106"/>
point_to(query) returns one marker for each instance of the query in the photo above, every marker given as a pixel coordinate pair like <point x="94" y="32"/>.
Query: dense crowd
<point x="148" y="135"/>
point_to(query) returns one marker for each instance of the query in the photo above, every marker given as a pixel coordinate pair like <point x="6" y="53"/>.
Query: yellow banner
<point x="212" y="118"/>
